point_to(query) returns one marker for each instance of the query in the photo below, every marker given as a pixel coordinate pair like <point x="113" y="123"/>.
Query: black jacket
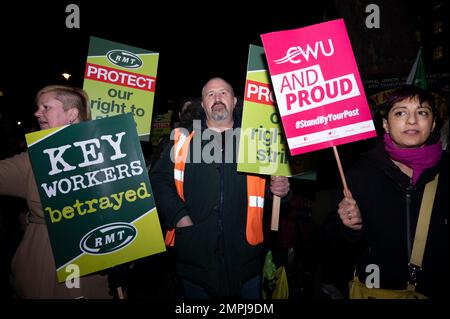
<point x="385" y="196"/>
<point x="214" y="252"/>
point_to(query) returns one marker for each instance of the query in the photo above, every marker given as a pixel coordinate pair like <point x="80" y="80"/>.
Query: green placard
<point x="263" y="148"/>
<point x="119" y="79"/>
<point x="95" y="193"/>
<point x="160" y="127"/>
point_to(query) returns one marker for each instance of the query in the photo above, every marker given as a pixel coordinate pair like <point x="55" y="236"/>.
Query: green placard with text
<point x="262" y="147"/>
<point x="160" y="127"/>
<point x="119" y="79"/>
<point x="95" y="194"/>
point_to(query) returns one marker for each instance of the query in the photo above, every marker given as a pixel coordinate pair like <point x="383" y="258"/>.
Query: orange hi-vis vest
<point x="255" y="192"/>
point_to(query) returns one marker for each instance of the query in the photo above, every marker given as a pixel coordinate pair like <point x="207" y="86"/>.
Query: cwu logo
<point x="108" y="238"/>
<point x="124" y="59"/>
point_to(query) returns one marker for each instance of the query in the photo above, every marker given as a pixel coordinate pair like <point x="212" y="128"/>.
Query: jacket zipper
<point x="222" y="182"/>
<point x="220" y="220"/>
<point x="408" y="219"/>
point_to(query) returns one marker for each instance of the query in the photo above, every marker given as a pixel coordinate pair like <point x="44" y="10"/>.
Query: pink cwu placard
<point x="317" y="85"/>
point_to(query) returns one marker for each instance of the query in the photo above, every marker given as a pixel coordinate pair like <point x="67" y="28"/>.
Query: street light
<point x="66" y="75"/>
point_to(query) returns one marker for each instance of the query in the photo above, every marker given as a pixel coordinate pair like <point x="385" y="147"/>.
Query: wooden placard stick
<point x="120" y="293"/>
<point x="341" y="172"/>
<point x="275" y="212"/>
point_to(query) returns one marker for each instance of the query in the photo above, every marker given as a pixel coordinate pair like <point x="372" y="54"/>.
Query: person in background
<point x="190" y="110"/>
<point x="214" y="211"/>
<point x="380" y="212"/>
<point x="443" y="117"/>
<point x="33" y="272"/>
<point x="139" y="278"/>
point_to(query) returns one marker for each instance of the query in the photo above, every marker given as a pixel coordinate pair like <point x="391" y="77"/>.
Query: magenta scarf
<point x="418" y="159"/>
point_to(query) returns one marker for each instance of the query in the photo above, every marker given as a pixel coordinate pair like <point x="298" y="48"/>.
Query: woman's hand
<point x="349" y="212"/>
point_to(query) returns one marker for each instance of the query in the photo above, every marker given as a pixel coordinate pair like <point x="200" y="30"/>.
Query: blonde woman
<point x="33" y="272"/>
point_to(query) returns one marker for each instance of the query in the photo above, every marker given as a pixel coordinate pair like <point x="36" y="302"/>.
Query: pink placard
<point x="317" y="85"/>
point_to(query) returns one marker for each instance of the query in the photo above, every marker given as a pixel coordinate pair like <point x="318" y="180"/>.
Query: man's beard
<point x="219" y="114"/>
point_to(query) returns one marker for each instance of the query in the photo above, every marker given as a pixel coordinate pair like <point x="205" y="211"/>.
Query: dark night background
<point x="195" y="41"/>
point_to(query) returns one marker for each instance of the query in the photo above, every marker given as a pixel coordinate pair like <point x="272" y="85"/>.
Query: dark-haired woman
<point x="386" y="188"/>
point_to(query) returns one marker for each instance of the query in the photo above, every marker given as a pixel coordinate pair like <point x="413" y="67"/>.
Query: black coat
<point x="214" y="252"/>
<point x="384" y="195"/>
